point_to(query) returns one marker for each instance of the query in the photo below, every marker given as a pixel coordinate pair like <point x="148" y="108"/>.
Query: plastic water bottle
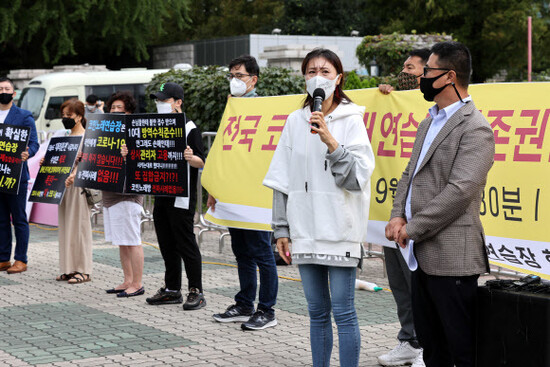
<point x="366" y="286"/>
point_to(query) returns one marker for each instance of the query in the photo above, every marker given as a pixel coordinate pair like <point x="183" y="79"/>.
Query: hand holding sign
<point x="69" y="181"/>
<point x="188" y="153"/>
<point x="25" y="155"/>
<point x="123" y="151"/>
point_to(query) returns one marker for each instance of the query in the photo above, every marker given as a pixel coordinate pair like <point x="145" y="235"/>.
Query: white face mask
<point x="164" y="107"/>
<point x="237" y="87"/>
<point x="327" y="85"/>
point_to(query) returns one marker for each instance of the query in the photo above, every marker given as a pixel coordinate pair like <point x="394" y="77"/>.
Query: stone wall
<point x="424" y="40"/>
<point x="290" y="56"/>
<point x="165" y="57"/>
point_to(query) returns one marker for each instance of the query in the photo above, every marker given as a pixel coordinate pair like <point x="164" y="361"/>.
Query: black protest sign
<point x="13" y="142"/>
<point x="155" y="163"/>
<point x="102" y="166"/>
<point x="49" y="185"/>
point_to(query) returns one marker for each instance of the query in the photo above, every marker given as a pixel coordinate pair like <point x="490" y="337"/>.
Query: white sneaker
<point x="404" y="353"/>
<point x="419" y="361"/>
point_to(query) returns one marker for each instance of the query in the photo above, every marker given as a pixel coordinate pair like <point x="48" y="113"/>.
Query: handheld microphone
<point x="318" y="98"/>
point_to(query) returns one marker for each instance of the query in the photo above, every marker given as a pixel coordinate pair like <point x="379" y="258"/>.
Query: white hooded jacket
<point x="328" y="207"/>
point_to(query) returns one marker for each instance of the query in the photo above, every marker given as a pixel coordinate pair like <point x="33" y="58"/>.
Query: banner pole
<point x="529" y="48"/>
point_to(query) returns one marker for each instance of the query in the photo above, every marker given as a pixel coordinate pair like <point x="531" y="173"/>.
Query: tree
<point x="328" y="18"/>
<point x="226" y="18"/>
<point x="390" y="50"/>
<point x="41" y="33"/>
<point x="495" y="31"/>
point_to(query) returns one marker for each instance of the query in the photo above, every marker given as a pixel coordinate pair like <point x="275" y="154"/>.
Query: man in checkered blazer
<point x="436" y="209"/>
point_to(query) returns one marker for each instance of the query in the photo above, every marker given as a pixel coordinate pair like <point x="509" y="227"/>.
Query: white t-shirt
<point x="3" y="115"/>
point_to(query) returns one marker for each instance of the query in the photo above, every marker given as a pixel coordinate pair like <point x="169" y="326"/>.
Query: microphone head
<point x="319" y="92"/>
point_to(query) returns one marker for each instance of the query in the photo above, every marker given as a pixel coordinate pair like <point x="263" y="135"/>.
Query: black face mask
<point x="68" y="123"/>
<point x="5" y="98"/>
<point x="427" y="87"/>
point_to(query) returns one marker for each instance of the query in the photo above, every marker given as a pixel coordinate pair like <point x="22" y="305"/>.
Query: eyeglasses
<point x="230" y="76"/>
<point x="427" y="69"/>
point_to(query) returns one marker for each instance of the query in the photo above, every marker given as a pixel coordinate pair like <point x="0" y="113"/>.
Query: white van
<point x="45" y="94"/>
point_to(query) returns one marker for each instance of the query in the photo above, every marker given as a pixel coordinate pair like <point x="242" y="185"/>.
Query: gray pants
<point x="399" y="277"/>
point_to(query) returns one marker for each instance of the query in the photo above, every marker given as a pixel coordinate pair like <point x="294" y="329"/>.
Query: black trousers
<point x="174" y="227"/>
<point x="444" y="312"/>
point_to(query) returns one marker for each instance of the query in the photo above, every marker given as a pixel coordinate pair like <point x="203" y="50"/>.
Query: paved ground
<point x="49" y="323"/>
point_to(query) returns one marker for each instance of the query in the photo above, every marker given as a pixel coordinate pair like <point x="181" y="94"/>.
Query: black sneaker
<point x="195" y="300"/>
<point x="233" y="313"/>
<point x="163" y="297"/>
<point x="259" y="321"/>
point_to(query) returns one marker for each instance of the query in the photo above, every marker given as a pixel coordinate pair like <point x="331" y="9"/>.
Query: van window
<point x="103" y="92"/>
<point x="54" y="106"/>
<point x="32" y="99"/>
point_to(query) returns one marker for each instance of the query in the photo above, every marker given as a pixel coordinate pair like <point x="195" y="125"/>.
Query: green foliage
<point x="37" y="34"/>
<point x="206" y="90"/>
<point x="354" y="81"/>
<point x="49" y="31"/>
<point x="543" y="76"/>
<point x="389" y="51"/>
<point x="279" y="81"/>
<point x="225" y="18"/>
<point x="495" y="31"/>
<point x="327" y="18"/>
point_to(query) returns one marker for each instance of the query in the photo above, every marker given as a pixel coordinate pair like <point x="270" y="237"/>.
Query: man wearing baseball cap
<point x="173" y="217"/>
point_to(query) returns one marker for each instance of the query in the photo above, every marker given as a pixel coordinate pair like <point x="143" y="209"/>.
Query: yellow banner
<point x="512" y="210"/>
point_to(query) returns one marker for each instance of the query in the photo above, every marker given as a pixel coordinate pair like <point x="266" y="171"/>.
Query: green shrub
<point x="390" y="50"/>
<point x="206" y="90"/>
<point x="354" y="81"/>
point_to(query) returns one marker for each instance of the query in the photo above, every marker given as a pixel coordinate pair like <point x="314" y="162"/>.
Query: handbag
<point x="93" y="196"/>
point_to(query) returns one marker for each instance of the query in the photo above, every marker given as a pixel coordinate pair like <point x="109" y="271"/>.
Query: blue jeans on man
<point x="12" y="210"/>
<point x="253" y="250"/>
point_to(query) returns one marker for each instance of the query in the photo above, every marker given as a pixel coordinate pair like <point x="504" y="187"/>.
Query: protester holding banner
<point x="12" y="207"/>
<point x="252" y="248"/>
<point x="75" y="227"/>
<point x="413" y="68"/>
<point x="320" y="176"/>
<point x="174" y="219"/>
<point x="399" y="276"/>
<point x="122" y="218"/>
<point x="436" y="212"/>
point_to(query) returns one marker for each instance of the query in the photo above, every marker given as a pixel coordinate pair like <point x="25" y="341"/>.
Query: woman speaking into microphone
<point x="320" y="176"/>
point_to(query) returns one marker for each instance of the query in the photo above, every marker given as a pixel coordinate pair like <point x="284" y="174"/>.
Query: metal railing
<point x="200" y="222"/>
<point x="147" y="211"/>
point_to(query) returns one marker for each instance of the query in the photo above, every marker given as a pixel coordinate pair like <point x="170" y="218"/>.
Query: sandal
<point x="64" y="277"/>
<point x="79" y="278"/>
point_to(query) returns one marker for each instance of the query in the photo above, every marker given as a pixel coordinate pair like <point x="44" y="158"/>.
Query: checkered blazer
<point x="446" y="195"/>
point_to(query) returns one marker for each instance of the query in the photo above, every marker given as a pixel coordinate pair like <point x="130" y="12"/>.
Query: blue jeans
<point x="252" y="250"/>
<point x="341" y="296"/>
<point x="14" y="205"/>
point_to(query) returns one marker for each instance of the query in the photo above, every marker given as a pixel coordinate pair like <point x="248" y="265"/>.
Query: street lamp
<point x="276" y="31"/>
<point x="354" y="33"/>
<point x="374" y="70"/>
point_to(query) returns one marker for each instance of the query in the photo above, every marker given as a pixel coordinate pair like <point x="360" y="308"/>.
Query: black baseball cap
<point x="168" y="90"/>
